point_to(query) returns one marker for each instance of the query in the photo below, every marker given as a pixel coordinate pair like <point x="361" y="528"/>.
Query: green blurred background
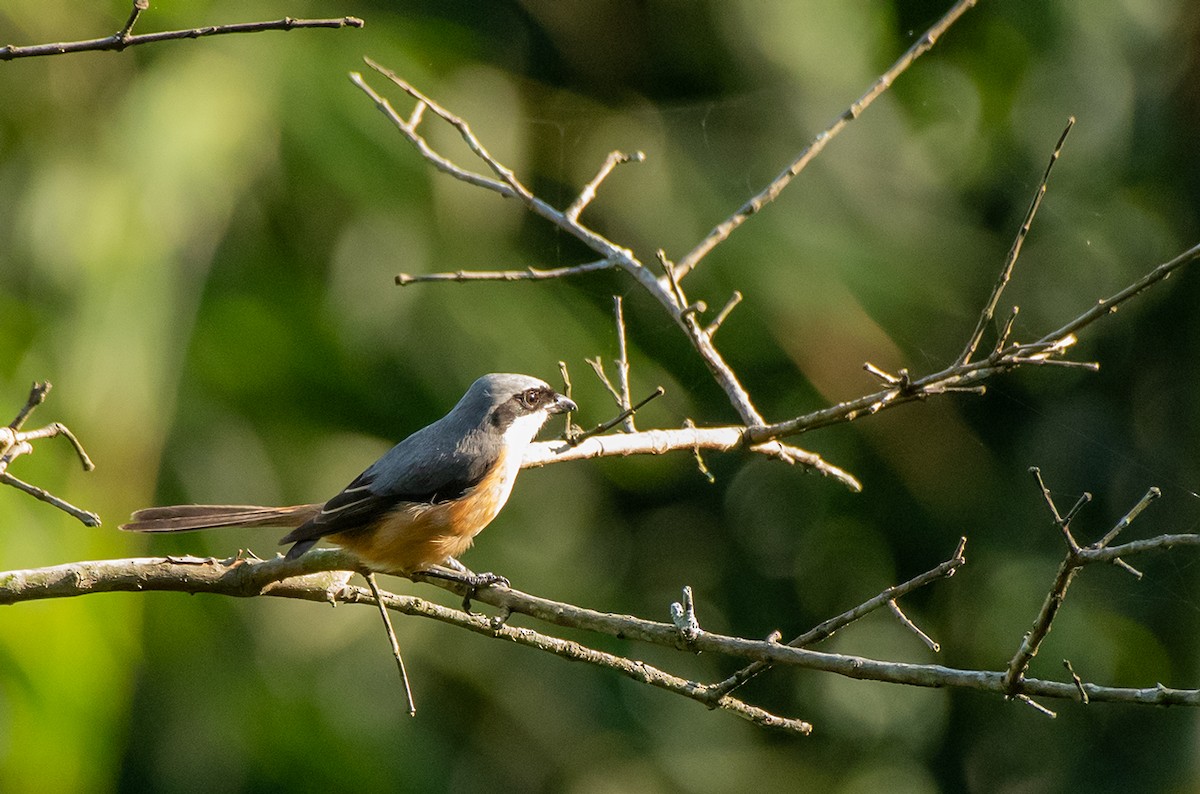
<point x="197" y="246"/>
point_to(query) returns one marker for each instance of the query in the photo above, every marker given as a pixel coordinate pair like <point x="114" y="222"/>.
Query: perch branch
<point x="313" y="577"/>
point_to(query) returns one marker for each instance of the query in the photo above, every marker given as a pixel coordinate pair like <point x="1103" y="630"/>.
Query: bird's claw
<point x="477" y="581"/>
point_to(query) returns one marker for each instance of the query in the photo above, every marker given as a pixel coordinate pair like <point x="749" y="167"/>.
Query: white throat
<point x="522" y="431"/>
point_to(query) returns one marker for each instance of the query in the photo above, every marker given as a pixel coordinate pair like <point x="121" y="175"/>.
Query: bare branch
<point x="85" y="517"/>
<point x="1106" y="306"/>
<point x="589" y="190"/>
<point x="1160" y="543"/>
<point x="958" y="376"/>
<point x="1075" y="679"/>
<point x="1032" y="640"/>
<point x="772" y="191"/>
<point x="37" y="396"/>
<point x="1062" y="523"/>
<point x="1128" y="518"/>
<point x="507" y="178"/>
<point x="138" y="7"/>
<point x="828" y="628"/>
<point x="309" y="578"/>
<point x="622" y="364"/>
<point x="907" y="623"/>
<point x="508" y="186"/>
<point x="1075" y="559"/>
<point x="722" y="315"/>
<point x="528" y="274"/>
<point x="123" y="38"/>
<point x="688" y="439"/>
<point x="1038" y="707"/>
<point x="392" y="641"/>
<point x="1010" y="261"/>
<point x="759" y="435"/>
<point x="15" y="442"/>
<point x="616" y="420"/>
<point x="700" y="465"/>
<point x="571" y="430"/>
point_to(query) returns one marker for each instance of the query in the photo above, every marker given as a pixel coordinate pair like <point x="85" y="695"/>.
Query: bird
<point x="420" y="506"/>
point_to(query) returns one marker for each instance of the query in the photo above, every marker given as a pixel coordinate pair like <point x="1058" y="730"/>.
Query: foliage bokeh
<point x="197" y="245"/>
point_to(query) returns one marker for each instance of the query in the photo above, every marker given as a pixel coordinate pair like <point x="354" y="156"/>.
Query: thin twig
<point x="1128" y="518"/>
<point x="589" y="190"/>
<point x="704" y="471"/>
<point x="907" y="623"/>
<point x="1032" y="641"/>
<point x="1106" y="306"/>
<point x="618" y="419"/>
<point x="528" y="274"/>
<point x="1010" y="261"/>
<point x="1063" y="524"/>
<point x="570" y="430"/>
<point x="1033" y="704"/>
<point x="597" y="365"/>
<point x="395" y="644"/>
<point x="829" y="627"/>
<point x="772" y="191"/>
<point x="506" y="175"/>
<point x="138" y="7"/>
<point x="1075" y="679"/>
<point x="37" y="396"/>
<point x="1077" y="557"/>
<point x="1006" y="331"/>
<point x="86" y="517"/>
<point x="15" y="442"/>
<point x="723" y="315"/>
<point x="122" y="40"/>
<point x="622" y="364"/>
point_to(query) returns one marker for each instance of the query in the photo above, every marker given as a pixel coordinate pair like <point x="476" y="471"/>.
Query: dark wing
<point x="414" y="471"/>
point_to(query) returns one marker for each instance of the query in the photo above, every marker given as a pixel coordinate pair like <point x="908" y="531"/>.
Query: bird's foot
<point x="474" y="582"/>
<point x="477" y="581"/>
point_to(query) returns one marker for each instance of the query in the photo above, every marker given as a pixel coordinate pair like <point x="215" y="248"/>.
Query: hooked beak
<point x="561" y="405"/>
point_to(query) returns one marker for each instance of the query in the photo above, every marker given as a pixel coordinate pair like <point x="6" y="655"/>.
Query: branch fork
<point x="1077" y="556"/>
<point x="15" y="442"/>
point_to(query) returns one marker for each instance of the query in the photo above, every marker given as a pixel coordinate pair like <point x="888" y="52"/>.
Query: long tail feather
<point x="185" y="518"/>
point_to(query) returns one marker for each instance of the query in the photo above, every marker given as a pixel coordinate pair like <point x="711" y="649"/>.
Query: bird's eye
<point x="529" y="398"/>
